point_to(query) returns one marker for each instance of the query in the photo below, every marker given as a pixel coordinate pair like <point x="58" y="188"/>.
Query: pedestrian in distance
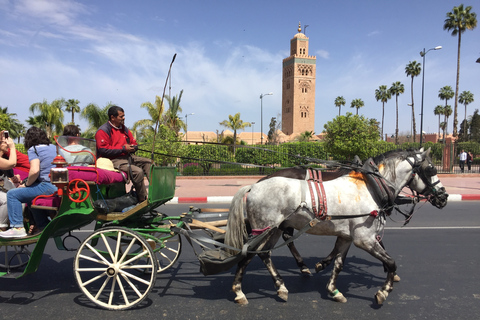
<point x="469" y="161"/>
<point x="463" y="159"/>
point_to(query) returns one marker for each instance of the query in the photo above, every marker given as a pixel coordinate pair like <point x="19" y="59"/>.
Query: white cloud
<point x="323" y="54"/>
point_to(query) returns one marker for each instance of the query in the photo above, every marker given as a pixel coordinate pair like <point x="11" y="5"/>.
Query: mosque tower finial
<point x="299" y="27"/>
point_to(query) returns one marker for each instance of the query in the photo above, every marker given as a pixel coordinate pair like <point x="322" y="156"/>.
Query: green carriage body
<point x="75" y="215"/>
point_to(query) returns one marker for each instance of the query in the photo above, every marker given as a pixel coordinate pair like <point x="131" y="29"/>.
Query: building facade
<point x="298" y="87"/>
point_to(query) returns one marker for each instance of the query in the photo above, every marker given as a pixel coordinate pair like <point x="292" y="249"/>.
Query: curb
<point x="228" y="199"/>
<point x="212" y="199"/>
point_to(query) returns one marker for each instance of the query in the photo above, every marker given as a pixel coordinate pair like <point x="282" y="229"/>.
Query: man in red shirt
<point x="116" y="142"/>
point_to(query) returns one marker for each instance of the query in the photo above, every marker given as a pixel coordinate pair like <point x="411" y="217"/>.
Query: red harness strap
<point x="315" y="179"/>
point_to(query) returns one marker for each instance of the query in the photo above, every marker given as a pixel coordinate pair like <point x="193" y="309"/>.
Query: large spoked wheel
<point x="111" y="274"/>
<point x="14" y="258"/>
<point x="168" y="255"/>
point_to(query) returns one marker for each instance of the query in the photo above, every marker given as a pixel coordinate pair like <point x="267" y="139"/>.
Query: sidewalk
<point x="221" y="189"/>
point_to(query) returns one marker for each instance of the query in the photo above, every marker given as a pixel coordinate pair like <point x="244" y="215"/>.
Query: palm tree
<point x="443" y="126"/>
<point x="446" y="93"/>
<point x="172" y="119"/>
<point x="447" y="112"/>
<point x="146" y="127"/>
<point x="71" y="105"/>
<point x="305" y="136"/>
<point x="438" y="112"/>
<point x="412" y="70"/>
<point x="397" y="89"/>
<point x="51" y="115"/>
<point x="383" y="94"/>
<point x="12" y="124"/>
<point x="465" y="98"/>
<point x="95" y="117"/>
<point x="458" y="21"/>
<point x="339" y="102"/>
<point x="357" y="103"/>
<point x="235" y="123"/>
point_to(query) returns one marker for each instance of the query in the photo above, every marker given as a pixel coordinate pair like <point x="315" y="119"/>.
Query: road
<point x="437" y="256"/>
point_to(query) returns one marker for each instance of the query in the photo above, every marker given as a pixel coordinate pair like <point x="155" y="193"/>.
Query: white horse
<point x="354" y="211"/>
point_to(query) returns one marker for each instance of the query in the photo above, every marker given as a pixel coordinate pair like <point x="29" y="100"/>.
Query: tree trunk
<point x="413" y="117"/>
<point x="455" y="112"/>
<point x="383" y="114"/>
<point x="396" y="127"/>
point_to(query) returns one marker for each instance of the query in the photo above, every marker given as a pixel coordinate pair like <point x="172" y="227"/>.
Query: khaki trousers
<point x="140" y="168"/>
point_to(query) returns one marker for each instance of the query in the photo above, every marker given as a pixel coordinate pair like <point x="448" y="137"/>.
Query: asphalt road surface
<point x="437" y="255"/>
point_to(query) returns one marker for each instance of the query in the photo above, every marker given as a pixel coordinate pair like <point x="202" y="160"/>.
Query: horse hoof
<point x="380" y="297"/>
<point x="318" y="267"/>
<point x="242" y="300"/>
<point x="283" y="294"/>
<point x="396" y="278"/>
<point x="339" y="298"/>
<point x="305" y="271"/>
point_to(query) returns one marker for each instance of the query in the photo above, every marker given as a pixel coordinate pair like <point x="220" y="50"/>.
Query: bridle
<point x="425" y="171"/>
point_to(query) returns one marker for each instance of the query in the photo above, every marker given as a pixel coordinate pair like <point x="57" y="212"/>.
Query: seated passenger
<point x="21" y="169"/>
<point x="41" y="154"/>
<point x="78" y="158"/>
<point x="6" y="164"/>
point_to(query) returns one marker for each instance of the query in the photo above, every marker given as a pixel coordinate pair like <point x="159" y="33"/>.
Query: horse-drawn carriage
<point x="117" y="264"/>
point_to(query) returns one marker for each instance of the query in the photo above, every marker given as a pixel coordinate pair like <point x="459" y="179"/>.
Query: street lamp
<point x="422" y="54"/>
<point x="186" y="125"/>
<point x="261" y="114"/>
<point x="253" y="126"/>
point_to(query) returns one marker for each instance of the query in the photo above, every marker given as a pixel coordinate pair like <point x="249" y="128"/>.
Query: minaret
<point x="298" y="87"/>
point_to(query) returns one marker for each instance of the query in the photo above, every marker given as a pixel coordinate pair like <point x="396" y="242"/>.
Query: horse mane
<point x="389" y="158"/>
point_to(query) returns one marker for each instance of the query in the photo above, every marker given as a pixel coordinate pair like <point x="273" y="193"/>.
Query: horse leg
<point x="319" y="266"/>
<point x="282" y="291"/>
<point x="266" y="244"/>
<point x="287" y="234"/>
<point x="376" y="250"/>
<point x="396" y="277"/>
<point x="341" y="249"/>
<point x="240" y="297"/>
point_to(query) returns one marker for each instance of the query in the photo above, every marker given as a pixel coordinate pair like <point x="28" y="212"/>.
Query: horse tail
<point x="236" y="233"/>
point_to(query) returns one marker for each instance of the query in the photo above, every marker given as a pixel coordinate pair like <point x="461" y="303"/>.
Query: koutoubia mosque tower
<point x="298" y="87"/>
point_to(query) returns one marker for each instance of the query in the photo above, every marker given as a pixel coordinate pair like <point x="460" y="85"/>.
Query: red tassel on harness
<point x="374" y="213"/>
<point x="256" y="232"/>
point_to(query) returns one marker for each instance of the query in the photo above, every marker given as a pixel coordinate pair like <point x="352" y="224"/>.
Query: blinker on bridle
<point x="424" y="174"/>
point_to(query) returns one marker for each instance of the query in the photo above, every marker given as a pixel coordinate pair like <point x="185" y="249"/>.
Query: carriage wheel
<point x="14" y="259"/>
<point x="112" y="275"/>
<point x="168" y="255"/>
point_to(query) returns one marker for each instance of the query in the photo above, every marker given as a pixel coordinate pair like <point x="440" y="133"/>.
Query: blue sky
<point x="228" y="53"/>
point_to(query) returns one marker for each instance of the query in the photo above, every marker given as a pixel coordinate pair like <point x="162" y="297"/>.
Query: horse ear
<point x="421" y="149"/>
<point x="427" y="153"/>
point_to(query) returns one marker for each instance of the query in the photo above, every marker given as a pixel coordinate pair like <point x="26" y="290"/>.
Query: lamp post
<point x="261" y="114"/>
<point x="253" y="126"/>
<point x="186" y="125"/>
<point x="422" y="54"/>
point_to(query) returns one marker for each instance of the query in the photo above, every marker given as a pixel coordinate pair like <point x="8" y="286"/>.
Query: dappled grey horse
<point x="355" y="213"/>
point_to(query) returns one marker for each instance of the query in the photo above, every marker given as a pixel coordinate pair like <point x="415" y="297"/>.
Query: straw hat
<point x="106" y="164"/>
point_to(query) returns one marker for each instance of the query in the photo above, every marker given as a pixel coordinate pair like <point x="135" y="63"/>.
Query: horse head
<point x="424" y="178"/>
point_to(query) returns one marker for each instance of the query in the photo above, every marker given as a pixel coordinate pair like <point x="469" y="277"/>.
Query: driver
<point x="116" y="142"/>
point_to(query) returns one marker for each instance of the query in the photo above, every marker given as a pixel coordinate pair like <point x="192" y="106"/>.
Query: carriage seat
<point x="93" y="176"/>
